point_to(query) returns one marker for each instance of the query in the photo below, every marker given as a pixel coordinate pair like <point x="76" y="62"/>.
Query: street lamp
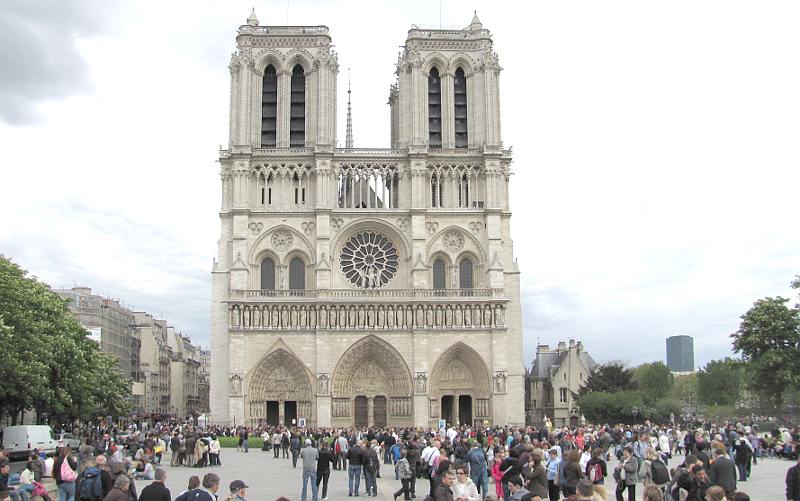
<point x="635" y="412"/>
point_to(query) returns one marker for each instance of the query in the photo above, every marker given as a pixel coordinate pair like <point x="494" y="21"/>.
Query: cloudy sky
<point x="656" y="151"/>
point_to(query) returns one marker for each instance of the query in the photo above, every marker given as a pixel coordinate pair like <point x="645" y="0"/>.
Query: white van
<point x="19" y="441"/>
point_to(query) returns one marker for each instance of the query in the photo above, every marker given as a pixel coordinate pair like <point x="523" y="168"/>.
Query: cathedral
<point x="365" y="286"/>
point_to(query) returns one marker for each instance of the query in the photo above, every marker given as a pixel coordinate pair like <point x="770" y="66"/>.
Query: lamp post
<point x="635" y="412"/>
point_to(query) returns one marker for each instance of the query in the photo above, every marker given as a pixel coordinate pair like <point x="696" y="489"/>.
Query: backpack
<point x="91" y="485"/>
<point x="595" y="473"/>
<point x="660" y="472"/>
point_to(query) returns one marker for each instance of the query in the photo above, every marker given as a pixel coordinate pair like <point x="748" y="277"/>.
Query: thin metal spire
<point x="348" y="142"/>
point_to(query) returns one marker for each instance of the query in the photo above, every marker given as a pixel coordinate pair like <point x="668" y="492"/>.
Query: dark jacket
<point x="355" y="455"/>
<point x="443" y="493"/>
<point x="603" y="468"/>
<point x="723" y="474"/>
<point x="537" y="481"/>
<point x="793" y="483"/>
<point x="696" y="491"/>
<point x="324" y="461"/>
<point x="156" y="491"/>
<point x="572" y="473"/>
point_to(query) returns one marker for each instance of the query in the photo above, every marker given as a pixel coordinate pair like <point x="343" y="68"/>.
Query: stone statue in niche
<point x="246" y="318"/>
<point x="303" y="317"/>
<point x="284" y="317"/>
<point x="487" y="316"/>
<point x="312" y="318"/>
<point x="323" y="317"/>
<point x="390" y="317"/>
<point x="459" y="316"/>
<point x="371" y="317"/>
<point x="476" y="316"/>
<point x="439" y="318"/>
<point x="322" y="381"/>
<point x="381" y="318"/>
<point x="342" y="318"/>
<point x="257" y="317"/>
<point x="351" y="318"/>
<point x="498" y="316"/>
<point x="293" y="317"/>
<point x="236" y="384"/>
<point x="500" y="382"/>
<point x="467" y="316"/>
<point x="361" y="317"/>
<point x="274" y="318"/>
<point x="421" y="383"/>
<point x="448" y="316"/>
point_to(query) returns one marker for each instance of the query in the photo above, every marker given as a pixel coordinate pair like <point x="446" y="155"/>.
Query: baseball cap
<point x="238" y="484"/>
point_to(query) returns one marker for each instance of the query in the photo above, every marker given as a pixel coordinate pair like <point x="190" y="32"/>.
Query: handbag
<point x="67" y="473"/>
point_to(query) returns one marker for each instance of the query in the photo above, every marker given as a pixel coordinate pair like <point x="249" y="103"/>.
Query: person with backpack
<point x="597" y="471"/>
<point x="657" y="472"/>
<point x="627" y="474"/>
<point x="64" y="469"/>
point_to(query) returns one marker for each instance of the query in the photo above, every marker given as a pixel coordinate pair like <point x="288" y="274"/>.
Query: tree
<point x="654" y="381"/>
<point x="768" y="339"/>
<point x="610" y="407"/>
<point x="720" y="382"/>
<point x="49" y="363"/>
<point x="610" y="377"/>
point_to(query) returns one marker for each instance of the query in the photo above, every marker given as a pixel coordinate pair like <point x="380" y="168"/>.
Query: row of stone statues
<point x="393" y="316"/>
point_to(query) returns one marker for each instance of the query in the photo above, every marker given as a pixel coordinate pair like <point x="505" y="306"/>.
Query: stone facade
<point x="556" y="375"/>
<point x="365" y="286"/>
<point x="156" y="360"/>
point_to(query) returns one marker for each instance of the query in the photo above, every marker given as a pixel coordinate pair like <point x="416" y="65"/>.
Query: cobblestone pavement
<point x="271" y="478"/>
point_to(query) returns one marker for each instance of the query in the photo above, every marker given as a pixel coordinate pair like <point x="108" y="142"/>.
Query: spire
<point x="476" y="23"/>
<point x="348" y="141"/>
<point x="252" y="20"/>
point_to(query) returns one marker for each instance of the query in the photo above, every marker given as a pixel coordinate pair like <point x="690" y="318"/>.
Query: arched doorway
<point x="460" y="387"/>
<point x="371" y="386"/>
<point x="280" y="390"/>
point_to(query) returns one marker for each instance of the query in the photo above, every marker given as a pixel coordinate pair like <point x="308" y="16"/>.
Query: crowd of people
<point x="702" y="463"/>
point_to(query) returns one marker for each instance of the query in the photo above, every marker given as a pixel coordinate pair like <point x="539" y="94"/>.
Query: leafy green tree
<point x="49" y="363"/>
<point x="720" y="382"/>
<point x="768" y="339"/>
<point x="654" y="381"/>
<point x="610" y="377"/>
<point x="610" y="407"/>
<point x="684" y="390"/>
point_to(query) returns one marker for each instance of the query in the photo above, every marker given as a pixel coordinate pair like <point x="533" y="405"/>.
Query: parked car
<point x="70" y="440"/>
<point x="20" y="441"/>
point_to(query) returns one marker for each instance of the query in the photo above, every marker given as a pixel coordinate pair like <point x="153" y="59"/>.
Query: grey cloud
<point x="40" y="60"/>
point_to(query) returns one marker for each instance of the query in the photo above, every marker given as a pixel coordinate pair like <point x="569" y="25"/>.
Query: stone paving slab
<point x="271" y="478"/>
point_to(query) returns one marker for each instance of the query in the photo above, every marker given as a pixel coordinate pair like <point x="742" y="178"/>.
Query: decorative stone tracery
<point x="281" y="377"/>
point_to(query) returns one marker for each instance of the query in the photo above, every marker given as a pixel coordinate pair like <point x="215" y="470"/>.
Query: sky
<point x="656" y="150"/>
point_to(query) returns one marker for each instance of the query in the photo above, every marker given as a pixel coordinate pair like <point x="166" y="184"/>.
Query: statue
<point x="421" y="383"/>
<point x="322" y="380"/>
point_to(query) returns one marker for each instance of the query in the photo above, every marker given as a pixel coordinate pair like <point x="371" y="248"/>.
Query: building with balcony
<point x="554" y="379"/>
<point x="156" y="358"/>
<point x="373" y="286"/>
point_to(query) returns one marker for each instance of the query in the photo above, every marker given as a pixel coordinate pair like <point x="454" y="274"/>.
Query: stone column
<point x="455" y="410"/>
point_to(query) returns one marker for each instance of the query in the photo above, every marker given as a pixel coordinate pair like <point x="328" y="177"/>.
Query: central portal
<point x="361" y="411"/>
<point x="290" y="413"/>
<point x="273" y="413"/>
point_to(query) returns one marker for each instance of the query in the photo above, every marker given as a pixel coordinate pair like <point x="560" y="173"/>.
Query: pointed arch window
<point x="434" y="109"/>
<point x="269" y="108"/>
<point x="297" y="274"/>
<point x="465" y="274"/>
<point x="463" y="191"/>
<point x="460" y="108"/>
<point x="268" y="274"/>
<point x="297" y="116"/>
<point x="439" y="274"/>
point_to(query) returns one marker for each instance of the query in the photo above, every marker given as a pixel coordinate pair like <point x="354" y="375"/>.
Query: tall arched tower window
<point x="269" y="108"/>
<point x="439" y="274"/>
<point x="434" y="109"/>
<point x="297" y="116"/>
<point x="460" y="108"/>
<point x="297" y="274"/>
<point x="465" y="274"/>
<point x="268" y="274"/>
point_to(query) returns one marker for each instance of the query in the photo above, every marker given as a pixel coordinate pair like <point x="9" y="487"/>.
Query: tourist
<point x="194" y="483"/>
<point x="497" y="476"/>
<point x="175" y="448"/>
<point x="742" y="456"/>
<point x="276" y="444"/>
<point x="553" y="466"/>
<point x="626" y="474"/>
<point x="310" y="458"/>
<point x="64" y="469"/>
<point x="464" y="488"/>
<point x="516" y="489"/>
<point x="208" y="490"/>
<point x="341" y="450"/>
<point x="715" y="493"/>
<point x="294" y="444"/>
<point x="37" y="465"/>
<point x="372" y="466"/>
<point x="793" y="482"/>
<point x="656" y="472"/>
<point x="356" y="457"/>
<point x="652" y="493"/>
<point x="572" y="472"/>
<point x="324" y="467"/>
<point x="596" y="472"/>
<point x="722" y="471"/>
<point x="536" y="475"/>
<point x="120" y="491"/>
<point x="214" y="448"/>
<point x="238" y="491"/>
<point x="15" y="492"/>
<point x="402" y="469"/>
<point x="156" y="491"/>
<point x="695" y="482"/>
<point x="740" y="496"/>
<point x="476" y="459"/>
<point x="444" y="489"/>
<point x="585" y="490"/>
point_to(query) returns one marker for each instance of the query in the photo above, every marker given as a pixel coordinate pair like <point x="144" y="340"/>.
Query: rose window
<point x="369" y="260"/>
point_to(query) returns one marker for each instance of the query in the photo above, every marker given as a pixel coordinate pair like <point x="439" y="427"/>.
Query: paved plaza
<point x="271" y="478"/>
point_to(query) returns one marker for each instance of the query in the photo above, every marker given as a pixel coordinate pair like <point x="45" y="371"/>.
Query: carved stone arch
<point x="448" y="268"/>
<point x="436" y="59"/>
<point x="478" y="268"/>
<point x="308" y="265"/>
<point x="373" y="369"/>
<point x="471" y="243"/>
<point x="265" y="57"/>
<point x="255" y="267"/>
<point x="461" y="374"/>
<point x="280" y="376"/>
<point x="299" y="241"/>
<point x="301" y="57"/>
<point x="388" y="230"/>
<point x="464" y="61"/>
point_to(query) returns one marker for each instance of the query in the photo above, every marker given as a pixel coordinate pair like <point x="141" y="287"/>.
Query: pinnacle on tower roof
<point x="476" y="23"/>
<point x="348" y="141"/>
<point x="252" y="20"/>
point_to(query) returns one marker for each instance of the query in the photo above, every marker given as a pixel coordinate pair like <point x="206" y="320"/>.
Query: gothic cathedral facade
<point x="365" y="286"/>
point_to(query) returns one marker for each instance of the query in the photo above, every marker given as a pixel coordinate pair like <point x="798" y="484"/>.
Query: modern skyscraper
<point x="680" y="353"/>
